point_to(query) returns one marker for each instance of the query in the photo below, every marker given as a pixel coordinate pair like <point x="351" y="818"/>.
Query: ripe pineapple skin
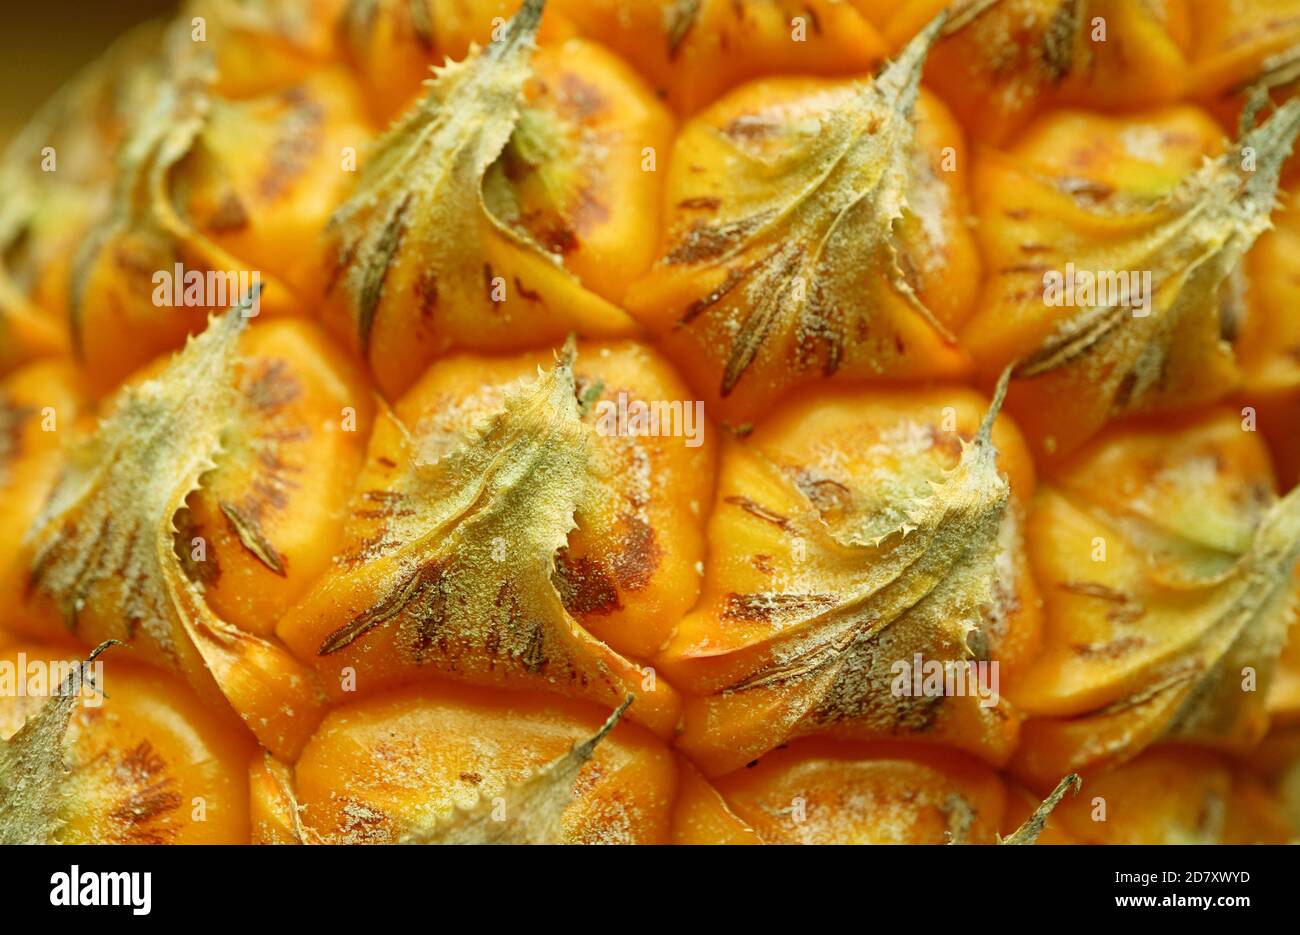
<point x="654" y="779"/>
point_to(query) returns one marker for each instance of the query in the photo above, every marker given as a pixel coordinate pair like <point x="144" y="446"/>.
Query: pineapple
<point x="656" y="421"/>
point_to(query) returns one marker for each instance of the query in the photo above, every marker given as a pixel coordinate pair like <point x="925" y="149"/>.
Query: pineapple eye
<point x="816" y="231"/>
<point x="506" y="207"/>
<point x="858" y="548"/>
<point x="214" y="195"/>
<point x="1168" y="796"/>
<point x="1114" y="248"/>
<point x="1002" y="63"/>
<point x="199" y="481"/>
<point x="694" y="51"/>
<point x="57" y="177"/>
<point x="440" y="764"/>
<point x="1166" y="565"/>
<point x="507" y="532"/>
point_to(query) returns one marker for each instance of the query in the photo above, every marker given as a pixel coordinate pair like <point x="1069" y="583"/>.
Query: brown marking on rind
<point x="825" y="494"/>
<point x="762" y="512"/>
<point x="298" y="140"/>
<point x="558" y="238"/>
<point x="1094" y="589"/>
<point x="814" y="20"/>
<point x="422" y="24"/>
<point x="248" y="528"/>
<point x="754" y="330"/>
<point x="407" y="590"/>
<point x="769" y="608"/>
<point x="13" y="419"/>
<point x="585" y="586"/>
<point x="273" y="387"/>
<point x="533" y="657"/>
<point x="529" y="295"/>
<point x="636" y="561"/>
<point x="679" y="20"/>
<point x="229" y="215"/>
<point x="1124" y="392"/>
<point x="1127" y="610"/>
<point x="706" y="240"/>
<point x="426" y="291"/>
<point x="702" y="203"/>
<point x="206" y="572"/>
<point x="152" y="795"/>
<point x="342" y="259"/>
<point x="750" y="127"/>
<point x="1023" y="268"/>
<point x="696" y="308"/>
<point x="1082" y="189"/>
<point x="1114" y="649"/>
<point x="1059" y="39"/>
<point x="582" y="98"/>
<point x="376" y="271"/>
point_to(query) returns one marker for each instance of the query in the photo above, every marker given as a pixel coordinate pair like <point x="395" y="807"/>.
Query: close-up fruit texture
<point x="656" y="421"/>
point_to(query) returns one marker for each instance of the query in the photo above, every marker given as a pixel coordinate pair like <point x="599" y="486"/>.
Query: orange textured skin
<point x="290" y="478"/>
<point x="691" y="61"/>
<point x="268" y="49"/>
<point x="1004" y="68"/>
<point x="702" y="816"/>
<point x="35" y="324"/>
<point x="1111" y="617"/>
<point x="1269" y="345"/>
<point x="1235" y="38"/>
<point x="395" y="45"/>
<point x="286" y="459"/>
<point x="827" y="224"/>
<point x="815" y="792"/>
<point x="380" y="766"/>
<point x="224" y="212"/>
<point x="1172" y="795"/>
<point x="149" y="764"/>
<point x="39" y="404"/>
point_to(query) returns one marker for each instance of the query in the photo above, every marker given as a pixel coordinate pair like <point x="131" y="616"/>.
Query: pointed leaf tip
<point x="901" y="76"/>
<point x="1033" y="827"/>
<point x="985" y="433"/>
<point x="955" y="22"/>
<point x="32" y="768"/>
<point x="1270" y="143"/>
<point x="524" y="24"/>
<point x="781" y="273"/>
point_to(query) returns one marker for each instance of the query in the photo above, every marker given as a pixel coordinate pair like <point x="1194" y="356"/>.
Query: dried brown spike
<point x="1028" y="832"/>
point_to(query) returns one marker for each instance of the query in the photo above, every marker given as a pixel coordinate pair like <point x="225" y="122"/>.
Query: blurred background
<point x="44" y="42"/>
